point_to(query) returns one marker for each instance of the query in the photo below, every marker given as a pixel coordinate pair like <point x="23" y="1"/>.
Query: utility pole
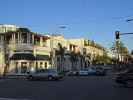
<point x="52" y="51"/>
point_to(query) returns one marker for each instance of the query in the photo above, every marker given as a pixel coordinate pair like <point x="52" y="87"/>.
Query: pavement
<point x="71" y="88"/>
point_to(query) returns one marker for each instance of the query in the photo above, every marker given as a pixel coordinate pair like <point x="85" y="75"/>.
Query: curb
<point x="13" y="77"/>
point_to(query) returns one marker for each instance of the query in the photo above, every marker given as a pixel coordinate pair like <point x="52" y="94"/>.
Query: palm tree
<point x="73" y="60"/>
<point x="60" y="53"/>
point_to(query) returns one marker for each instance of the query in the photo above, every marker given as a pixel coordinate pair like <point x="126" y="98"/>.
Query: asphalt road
<point x="71" y="88"/>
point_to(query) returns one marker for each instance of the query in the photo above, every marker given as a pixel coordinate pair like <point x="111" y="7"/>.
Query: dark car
<point x="125" y="78"/>
<point x="72" y="73"/>
<point x="100" y="71"/>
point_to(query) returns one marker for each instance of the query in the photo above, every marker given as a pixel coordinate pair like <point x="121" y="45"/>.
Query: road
<point x="71" y="88"/>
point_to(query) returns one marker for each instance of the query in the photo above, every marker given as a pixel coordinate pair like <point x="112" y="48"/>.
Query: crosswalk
<point x="12" y="99"/>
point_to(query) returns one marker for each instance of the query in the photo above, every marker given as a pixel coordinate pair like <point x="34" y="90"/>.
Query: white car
<point x="88" y="71"/>
<point x="83" y="72"/>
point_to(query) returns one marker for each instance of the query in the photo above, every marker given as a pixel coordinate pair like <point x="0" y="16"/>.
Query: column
<point x="33" y="39"/>
<point x="72" y="48"/>
<point x="28" y="66"/>
<point x="1" y="41"/>
<point x="12" y="38"/>
<point x="41" y="41"/>
<point x="19" y="67"/>
<point x="20" y="37"/>
<point x="27" y="38"/>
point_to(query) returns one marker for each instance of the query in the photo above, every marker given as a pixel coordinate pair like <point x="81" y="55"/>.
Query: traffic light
<point x="117" y="34"/>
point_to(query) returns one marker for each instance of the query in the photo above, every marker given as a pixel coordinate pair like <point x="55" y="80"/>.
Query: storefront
<point x="21" y="63"/>
<point x="42" y="61"/>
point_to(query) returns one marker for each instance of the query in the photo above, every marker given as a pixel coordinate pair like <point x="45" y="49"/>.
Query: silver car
<point x="49" y="74"/>
<point x="88" y="71"/>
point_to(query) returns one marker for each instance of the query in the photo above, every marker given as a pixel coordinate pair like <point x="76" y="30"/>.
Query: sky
<point x="91" y="19"/>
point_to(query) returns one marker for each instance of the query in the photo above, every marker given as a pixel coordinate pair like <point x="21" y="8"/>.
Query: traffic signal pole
<point x="117" y="41"/>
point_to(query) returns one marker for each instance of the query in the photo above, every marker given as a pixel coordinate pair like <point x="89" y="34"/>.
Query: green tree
<point x="121" y="49"/>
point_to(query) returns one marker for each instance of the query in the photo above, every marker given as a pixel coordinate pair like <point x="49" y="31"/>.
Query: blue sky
<point x="93" y="19"/>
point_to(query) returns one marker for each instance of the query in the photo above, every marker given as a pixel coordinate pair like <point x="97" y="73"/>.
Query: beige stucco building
<point x="89" y="49"/>
<point x="22" y="50"/>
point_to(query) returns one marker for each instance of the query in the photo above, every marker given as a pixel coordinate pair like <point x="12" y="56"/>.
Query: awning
<point x="42" y="57"/>
<point x="23" y="56"/>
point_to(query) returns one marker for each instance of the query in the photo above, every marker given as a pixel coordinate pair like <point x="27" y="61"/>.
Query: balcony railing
<point x="42" y="48"/>
<point x="21" y="46"/>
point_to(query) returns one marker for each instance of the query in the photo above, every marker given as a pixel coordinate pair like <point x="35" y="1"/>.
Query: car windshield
<point x="52" y="71"/>
<point x="46" y="71"/>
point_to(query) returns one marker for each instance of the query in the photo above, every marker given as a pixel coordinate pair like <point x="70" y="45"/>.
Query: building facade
<point x="22" y="50"/>
<point x="7" y="28"/>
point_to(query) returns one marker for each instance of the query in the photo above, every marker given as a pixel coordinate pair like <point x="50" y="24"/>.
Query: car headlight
<point x="32" y="69"/>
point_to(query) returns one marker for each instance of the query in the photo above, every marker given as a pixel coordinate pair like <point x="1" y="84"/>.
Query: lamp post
<point x="52" y="47"/>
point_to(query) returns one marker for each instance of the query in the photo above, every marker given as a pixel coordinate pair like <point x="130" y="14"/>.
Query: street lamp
<point x="129" y="20"/>
<point x="52" y="46"/>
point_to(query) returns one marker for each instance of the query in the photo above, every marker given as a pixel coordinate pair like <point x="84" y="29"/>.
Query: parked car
<point x="72" y="73"/>
<point x="88" y="71"/>
<point x="83" y="73"/>
<point x="125" y="78"/>
<point x="49" y="74"/>
<point x="100" y="71"/>
<point x="91" y="71"/>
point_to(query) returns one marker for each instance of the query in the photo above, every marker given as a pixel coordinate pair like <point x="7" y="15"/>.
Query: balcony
<point x="20" y="46"/>
<point x="42" y="50"/>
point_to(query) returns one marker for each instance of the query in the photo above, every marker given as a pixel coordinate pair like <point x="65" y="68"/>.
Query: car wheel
<point x="30" y="78"/>
<point x="56" y="79"/>
<point x="129" y="84"/>
<point x="50" y="77"/>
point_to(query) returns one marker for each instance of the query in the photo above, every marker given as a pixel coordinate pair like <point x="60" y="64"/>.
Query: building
<point x="89" y="49"/>
<point x="59" y="49"/>
<point x="22" y="50"/>
<point x="7" y="28"/>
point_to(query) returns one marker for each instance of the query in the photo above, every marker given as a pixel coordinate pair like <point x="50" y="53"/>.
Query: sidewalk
<point x="13" y="77"/>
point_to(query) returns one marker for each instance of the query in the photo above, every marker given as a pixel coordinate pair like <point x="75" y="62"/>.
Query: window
<point x="24" y="67"/>
<point x="41" y="65"/>
<point x="16" y="67"/>
<point x="45" y="65"/>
